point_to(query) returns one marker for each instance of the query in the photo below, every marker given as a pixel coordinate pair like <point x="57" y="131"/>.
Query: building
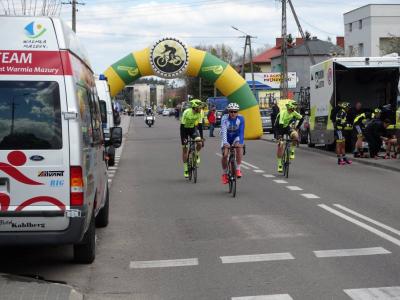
<point x="263" y="60"/>
<point x="299" y="61"/>
<point x="368" y="29"/>
<point x="144" y="94"/>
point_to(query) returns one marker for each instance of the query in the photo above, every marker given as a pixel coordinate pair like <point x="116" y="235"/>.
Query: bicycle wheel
<point x="229" y="175"/>
<point x="189" y="164"/>
<point x="194" y="167"/>
<point x="233" y="178"/>
<point x="286" y="162"/>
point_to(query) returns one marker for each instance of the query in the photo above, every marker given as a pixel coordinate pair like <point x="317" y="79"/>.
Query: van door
<point x="34" y="155"/>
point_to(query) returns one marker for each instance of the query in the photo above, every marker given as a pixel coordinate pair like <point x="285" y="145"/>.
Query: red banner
<point x="55" y="63"/>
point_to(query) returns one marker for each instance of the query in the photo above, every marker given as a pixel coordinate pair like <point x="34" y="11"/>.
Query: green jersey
<point x="285" y="118"/>
<point x="190" y="119"/>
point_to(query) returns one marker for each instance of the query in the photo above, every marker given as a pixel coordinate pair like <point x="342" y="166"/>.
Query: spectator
<point x="274" y="113"/>
<point x="359" y="119"/>
<point x="375" y="133"/>
<point x="212" y="119"/>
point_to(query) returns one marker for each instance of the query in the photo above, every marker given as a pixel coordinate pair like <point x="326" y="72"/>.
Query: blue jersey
<point x="232" y="129"/>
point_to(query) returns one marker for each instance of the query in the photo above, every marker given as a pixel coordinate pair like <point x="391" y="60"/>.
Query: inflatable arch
<point x="169" y="58"/>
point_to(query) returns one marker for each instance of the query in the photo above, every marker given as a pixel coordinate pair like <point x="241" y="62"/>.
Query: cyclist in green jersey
<point x="191" y="126"/>
<point x="283" y="124"/>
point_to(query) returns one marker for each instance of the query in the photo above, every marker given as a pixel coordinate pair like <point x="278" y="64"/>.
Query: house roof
<point x="265" y="57"/>
<point x="317" y="47"/>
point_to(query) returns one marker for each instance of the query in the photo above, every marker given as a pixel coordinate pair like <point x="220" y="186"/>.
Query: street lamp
<point x="248" y="38"/>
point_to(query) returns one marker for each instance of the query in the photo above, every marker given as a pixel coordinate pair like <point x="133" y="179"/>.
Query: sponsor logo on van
<point x="56" y="183"/>
<point x="51" y="174"/>
<point x="13" y="224"/>
<point x="34" y="31"/>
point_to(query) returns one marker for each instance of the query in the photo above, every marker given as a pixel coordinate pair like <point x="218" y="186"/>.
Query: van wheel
<point x="111" y="156"/>
<point x="85" y="252"/>
<point x="102" y="217"/>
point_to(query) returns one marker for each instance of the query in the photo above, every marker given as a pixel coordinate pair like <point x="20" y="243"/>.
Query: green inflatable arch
<point x="196" y="63"/>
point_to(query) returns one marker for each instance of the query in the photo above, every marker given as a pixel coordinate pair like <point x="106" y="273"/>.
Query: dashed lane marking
<point x="110" y="180"/>
<point x="388" y="228"/>
<point x="351" y="252"/>
<point x="256" y="258"/>
<point x="361" y="224"/>
<point x="250" y="165"/>
<point x="310" y="196"/>
<point x="245" y="167"/>
<point x="265" y="297"/>
<point x="258" y="171"/>
<point x="113" y="168"/>
<point x="269" y="176"/>
<point x="380" y="293"/>
<point x="294" y="188"/>
<point x="164" y="263"/>
<point x="280" y="181"/>
<point x="111" y="175"/>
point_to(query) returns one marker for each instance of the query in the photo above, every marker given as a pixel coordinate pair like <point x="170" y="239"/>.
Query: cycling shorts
<point x="339" y="137"/>
<point x="231" y="140"/>
<point x="188" y="132"/>
<point x="281" y="131"/>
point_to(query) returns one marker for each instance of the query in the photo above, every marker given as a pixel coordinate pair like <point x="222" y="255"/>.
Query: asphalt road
<point x="327" y="232"/>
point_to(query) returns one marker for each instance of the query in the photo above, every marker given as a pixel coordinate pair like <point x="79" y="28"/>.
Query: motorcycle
<point x="149" y="120"/>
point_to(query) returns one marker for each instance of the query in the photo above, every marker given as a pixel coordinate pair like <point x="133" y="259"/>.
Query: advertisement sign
<point x="273" y="80"/>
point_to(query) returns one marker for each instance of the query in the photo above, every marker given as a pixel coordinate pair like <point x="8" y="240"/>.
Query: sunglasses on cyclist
<point x="233" y="111"/>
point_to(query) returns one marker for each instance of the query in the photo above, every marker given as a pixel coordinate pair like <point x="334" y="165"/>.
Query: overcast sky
<point x="110" y="29"/>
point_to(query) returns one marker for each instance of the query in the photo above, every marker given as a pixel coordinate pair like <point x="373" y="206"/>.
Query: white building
<point x="145" y="94"/>
<point x="369" y="28"/>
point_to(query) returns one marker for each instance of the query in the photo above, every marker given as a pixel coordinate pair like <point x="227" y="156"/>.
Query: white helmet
<point x="233" y="106"/>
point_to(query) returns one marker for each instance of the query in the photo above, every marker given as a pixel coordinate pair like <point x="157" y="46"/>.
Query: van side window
<point x="103" y="111"/>
<point x="86" y="119"/>
<point x="96" y="118"/>
<point x="30" y="115"/>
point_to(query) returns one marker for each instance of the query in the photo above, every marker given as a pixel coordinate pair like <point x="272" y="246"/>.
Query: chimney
<point x="278" y="42"/>
<point x="340" y="41"/>
<point x="299" y="41"/>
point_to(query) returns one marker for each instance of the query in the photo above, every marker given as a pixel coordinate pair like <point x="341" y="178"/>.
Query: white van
<point x="53" y="177"/>
<point x="107" y="115"/>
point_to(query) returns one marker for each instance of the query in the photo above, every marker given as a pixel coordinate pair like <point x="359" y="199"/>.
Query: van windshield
<point x="30" y="115"/>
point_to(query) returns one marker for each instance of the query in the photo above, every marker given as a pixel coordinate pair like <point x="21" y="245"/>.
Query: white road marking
<point x="111" y="171"/>
<point x="111" y="175"/>
<point x="310" y="196"/>
<point x="361" y="224"/>
<point x="269" y="176"/>
<point x="265" y="297"/>
<point x="280" y="181"/>
<point x="164" y="263"/>
<point x="245" y="167"/>
<point x="255" y="258"/>
<point x="391" y="229"/>
<point x="381" y="293"/>
<point x="351" y="252"/>
<point x="258" y="171"/>
<point x="113" y="168"/>
<point x="294" y="188"/>
<point x="219" y="154"/>
<point x="250" y="165"/>
<point x="110" y="180"/>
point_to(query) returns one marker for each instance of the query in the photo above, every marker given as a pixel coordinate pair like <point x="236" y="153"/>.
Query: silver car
<point x="266" y="120"/>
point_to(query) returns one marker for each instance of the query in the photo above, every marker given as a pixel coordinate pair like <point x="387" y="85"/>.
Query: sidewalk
<point x="24" y="288"/>
<point x="387" y="164"/>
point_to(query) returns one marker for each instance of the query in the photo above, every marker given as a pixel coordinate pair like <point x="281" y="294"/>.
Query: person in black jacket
<point x="341" y="123"/>
<point x="375" y="133"/>
<point x="274" y="114"/>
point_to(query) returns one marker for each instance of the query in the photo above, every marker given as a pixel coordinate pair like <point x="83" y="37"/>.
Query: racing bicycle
<point x="232" y="166"/>
<point x="192" y="160"/>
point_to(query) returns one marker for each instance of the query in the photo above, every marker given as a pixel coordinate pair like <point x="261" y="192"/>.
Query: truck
<point x="373" y="81"/>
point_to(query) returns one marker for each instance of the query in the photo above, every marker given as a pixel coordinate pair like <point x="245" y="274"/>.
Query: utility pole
<point x="284" y="70"/>
<point x="74" y="3"/>
<point x="248" y="38"/>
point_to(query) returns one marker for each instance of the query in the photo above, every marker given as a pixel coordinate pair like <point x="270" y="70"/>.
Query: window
<point x="103" y="111"/>
<point x="30" y="115"/>
<point x="350" y="27"/>
<point x="361" y="49"/>
<point x="360" y="24"/>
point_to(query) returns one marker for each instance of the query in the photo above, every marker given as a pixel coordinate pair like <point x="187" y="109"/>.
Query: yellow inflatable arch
<point x="169" y="58"/>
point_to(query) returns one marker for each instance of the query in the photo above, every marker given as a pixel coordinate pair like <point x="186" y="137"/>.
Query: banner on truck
<point x="273" y="80"/>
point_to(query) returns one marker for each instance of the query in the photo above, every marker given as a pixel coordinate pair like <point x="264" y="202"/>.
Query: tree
<point x="391" y="45"/>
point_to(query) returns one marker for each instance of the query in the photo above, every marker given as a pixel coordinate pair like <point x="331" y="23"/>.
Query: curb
<point x="365" y="161"/>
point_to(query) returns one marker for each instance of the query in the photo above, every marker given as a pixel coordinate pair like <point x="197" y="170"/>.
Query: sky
<point x="110" y="29"/>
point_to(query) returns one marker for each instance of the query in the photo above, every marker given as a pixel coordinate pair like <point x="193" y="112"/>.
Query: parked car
<point x="55" y="187"/>
<point x="266" y="120"/>
<point x="165" y="112"/>
<point x="139" y="112"/>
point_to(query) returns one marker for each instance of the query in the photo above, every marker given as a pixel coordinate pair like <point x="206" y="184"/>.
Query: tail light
<point x="76" y="184"/>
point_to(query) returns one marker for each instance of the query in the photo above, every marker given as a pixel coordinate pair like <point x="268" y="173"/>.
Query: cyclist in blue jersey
<point x="232" y="133"/>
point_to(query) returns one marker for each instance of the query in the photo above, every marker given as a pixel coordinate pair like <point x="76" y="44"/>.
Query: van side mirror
<point x="116" y="136"/>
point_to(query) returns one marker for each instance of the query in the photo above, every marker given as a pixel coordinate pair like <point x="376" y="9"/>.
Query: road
<point x="327" y="232"/>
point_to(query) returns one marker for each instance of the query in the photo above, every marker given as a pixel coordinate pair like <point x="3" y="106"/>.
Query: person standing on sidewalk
<point x="340" y="124"/>
<point x="212" y="119"/>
